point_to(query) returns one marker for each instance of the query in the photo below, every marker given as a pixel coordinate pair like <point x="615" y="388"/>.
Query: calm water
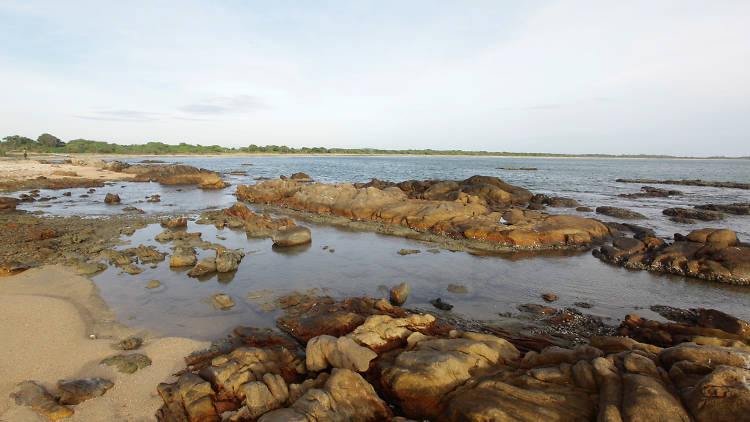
<point x="364" y="261"/>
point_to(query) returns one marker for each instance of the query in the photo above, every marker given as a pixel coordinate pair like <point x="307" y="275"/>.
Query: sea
<point x="344" y="263"/>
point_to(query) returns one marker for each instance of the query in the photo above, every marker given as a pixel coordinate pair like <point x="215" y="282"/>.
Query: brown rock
<point x="399" y="293"/>
<point x="31" y="394"/>
<point x="112" y="198"/>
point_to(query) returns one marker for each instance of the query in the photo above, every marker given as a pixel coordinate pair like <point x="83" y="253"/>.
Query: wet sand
<point x="47" y="315"/>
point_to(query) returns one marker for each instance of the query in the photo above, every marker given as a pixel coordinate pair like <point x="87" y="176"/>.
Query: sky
<point x="600" y="76"/>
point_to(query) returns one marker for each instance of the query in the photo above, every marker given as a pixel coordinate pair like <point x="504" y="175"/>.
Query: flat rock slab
<point x="128" y="363"/>
<point x="77" y="391"/>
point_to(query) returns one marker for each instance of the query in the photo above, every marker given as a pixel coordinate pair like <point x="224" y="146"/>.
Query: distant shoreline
<point x="270" y="154"/>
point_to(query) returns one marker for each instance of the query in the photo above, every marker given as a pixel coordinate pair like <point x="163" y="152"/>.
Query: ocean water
<point x="362" y="262"/>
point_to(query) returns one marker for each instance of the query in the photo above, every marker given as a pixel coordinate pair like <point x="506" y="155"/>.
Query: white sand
<point x="29" y="169"/>
<point x="46" y="317"/>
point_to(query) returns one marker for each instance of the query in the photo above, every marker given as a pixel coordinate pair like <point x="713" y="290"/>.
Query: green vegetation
<point x="47" y="143"/>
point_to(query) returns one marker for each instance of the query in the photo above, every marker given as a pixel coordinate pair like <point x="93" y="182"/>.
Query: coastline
<point x="241" y="155"/>
<point x="48" y="314"/>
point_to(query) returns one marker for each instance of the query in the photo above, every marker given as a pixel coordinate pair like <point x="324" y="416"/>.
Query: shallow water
<point x="364" y="261"/>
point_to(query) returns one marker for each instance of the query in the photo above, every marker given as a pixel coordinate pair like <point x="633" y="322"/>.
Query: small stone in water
<point x="438" y="303"/>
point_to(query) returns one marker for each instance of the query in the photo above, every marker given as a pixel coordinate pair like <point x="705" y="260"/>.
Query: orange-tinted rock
<point x="468" y="214"/>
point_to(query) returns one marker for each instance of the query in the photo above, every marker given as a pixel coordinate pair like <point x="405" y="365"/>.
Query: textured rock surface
<point x="468" y="209"/>
<point x="128" y="363"/>
<point x="619" y="213"/>
<point x="292" y="236"/>
<point x="709" y="254"/>
<point x="177" y="174"/>
<point x="399" y="293"/>
<point x="31" y="394"/>
<point x="77" y="391"/>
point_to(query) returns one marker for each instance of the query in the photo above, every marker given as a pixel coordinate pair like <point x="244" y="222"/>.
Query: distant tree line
<point x="47" y="143"/>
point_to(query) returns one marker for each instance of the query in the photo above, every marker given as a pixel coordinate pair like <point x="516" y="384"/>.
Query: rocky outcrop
<point x="693" y="214"/>
<point x="177" y="174"/>
<point x="696" y="182"/>
<point x="183" y="257"/>
<point x="8" y="203"/>
<point x="31" y="394"/>
<point x="619" y="213"/>
<point x="408" y="369"/>
<point x="462" y="210"/>
<point x="709" y="254"/>
<point x="651" y="192"/>
<point x="239" y="216"/>
<point x="77" y="391"/>
<point x="738" y="208"/>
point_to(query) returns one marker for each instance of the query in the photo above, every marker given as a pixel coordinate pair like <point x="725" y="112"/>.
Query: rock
<point x="584" y="209"/>
<point x="153" y="284"/>
<point x="227" y="260"/>
<point x="706" y="183"/>
<point x="457" y="288"/>
<point x="419" y="378"/>
<point x="183" y="257"/>
<point x="651" y="192"/>
<point x="145" y="254"/>
<point x="189" y="399"/>
<point x="403" y="252"/>
<point x="738" y="208"/>
<point x="709" y="254"/>
<point x="132" y="269"/>
<point x="324" y="351"/>
<point x="204" y="266"/>
<point x="346" y="396"/>
<point x="177" y="174"/>
<point x="130" y="343"/>
<point x="693" y="214"/>
<point x="619" y="213"/>
<point x="460" y="209"/>
<point x="682" y="220"/>
<point x="90" y="268"/>
<point x="438" y="303"/>
<point x="29" y="393"/>
<point x="112" y="199"/>
<point x="128" y="364"/>
<point x="549" y="297"/>
<point x="541" y="199"/>
<point x="399" y="293"/>
<point x="154" y="198"/>
<point x="221" y="301"/>
<point x="165" y="236"/>
<point x="8" y="203"/>
<point x="77" y="391"/>
<point x="301" y="177"/>
<point x="292" y="236"/>
<point x="174" y="223"/>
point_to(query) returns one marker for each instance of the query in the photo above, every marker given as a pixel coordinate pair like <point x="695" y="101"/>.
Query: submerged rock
<point x="693" y="214"/>
<point x="153" y="284"/>
<point x="403" y="252"/>
<point x="438" y="303"/>
<point x="221" y="301"/>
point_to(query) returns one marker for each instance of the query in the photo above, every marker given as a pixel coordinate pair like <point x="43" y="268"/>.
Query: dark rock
<point x="440" y="304"/>
<point x="651" y="192"/>
<point x="584" y="209"/>
<point x="619" y="213"/>
<point x="549" y="297"/>
<point x="704" y="183"/>
<point x="693" y="214"/>
<point x="77" y="391"/>
<point x="112" y="198"/>
<point x="130" y="343"/>
<point x="736" y="208"/>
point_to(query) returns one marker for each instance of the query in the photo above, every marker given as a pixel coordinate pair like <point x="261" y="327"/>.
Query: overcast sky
<point x="595" y="76"/>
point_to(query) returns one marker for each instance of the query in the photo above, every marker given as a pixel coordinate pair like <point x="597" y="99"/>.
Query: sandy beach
<point x="48" y="315"/>
<point x="11" y="170"/>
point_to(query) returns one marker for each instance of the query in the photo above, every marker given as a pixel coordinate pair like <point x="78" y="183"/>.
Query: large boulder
<point x="177" y="174"/>
<point x="292" y="236"/>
